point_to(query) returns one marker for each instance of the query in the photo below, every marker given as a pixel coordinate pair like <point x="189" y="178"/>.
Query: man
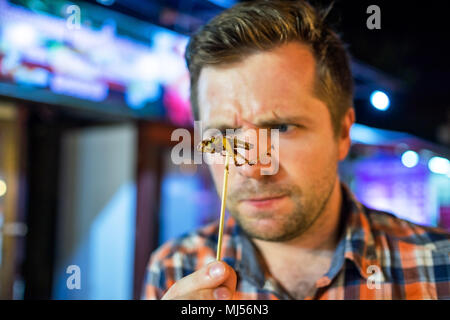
<point x="299" y="233"/>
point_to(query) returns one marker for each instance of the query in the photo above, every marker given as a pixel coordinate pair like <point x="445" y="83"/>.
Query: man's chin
<point x="268" y="229"/>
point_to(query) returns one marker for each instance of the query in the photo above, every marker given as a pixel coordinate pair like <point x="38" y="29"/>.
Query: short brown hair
<point x="262" y="25"/>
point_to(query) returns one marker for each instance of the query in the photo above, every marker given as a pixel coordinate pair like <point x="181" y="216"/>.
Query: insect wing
<point x="242" y="144"/>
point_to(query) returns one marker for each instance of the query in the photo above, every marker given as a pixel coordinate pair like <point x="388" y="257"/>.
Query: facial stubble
<point x="307" y="207"/>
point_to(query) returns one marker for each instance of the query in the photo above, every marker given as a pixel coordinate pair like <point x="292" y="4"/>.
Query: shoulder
<point x="394" y="229"/>
<point x="415" y="259"/>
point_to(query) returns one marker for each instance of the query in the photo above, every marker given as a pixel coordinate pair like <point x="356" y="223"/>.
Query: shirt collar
<point x="358" y="242"/>
<point x="244" y="256"/>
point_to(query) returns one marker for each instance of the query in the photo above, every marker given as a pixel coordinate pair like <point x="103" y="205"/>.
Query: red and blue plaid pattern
<point x="409" y="261"/>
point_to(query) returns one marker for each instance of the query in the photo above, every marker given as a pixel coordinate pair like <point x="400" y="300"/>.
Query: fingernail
<point x="217" y="270"/>
<point x="221" y="293"/>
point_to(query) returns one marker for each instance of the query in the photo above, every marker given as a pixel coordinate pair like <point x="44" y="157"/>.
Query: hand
<point x="215" y="281"/>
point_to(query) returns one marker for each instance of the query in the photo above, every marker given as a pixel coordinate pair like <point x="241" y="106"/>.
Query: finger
<point x="209" y="277"/>
<point x="220" y="293"/>
<point x="231" y="279"/>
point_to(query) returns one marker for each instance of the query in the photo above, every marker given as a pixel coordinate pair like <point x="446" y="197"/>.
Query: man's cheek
<point x="300" y="161"/>
<point x="294" y="154"/>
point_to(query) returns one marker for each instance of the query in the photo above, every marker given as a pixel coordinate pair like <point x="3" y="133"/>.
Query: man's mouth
<point x="263" y="202"/>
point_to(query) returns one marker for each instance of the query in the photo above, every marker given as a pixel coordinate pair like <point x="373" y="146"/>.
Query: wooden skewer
<point x="224" y="196"/>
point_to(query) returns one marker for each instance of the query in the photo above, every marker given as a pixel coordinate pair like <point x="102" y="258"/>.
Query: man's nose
<point x="252" y="160"/>
<point x="253" y="171"/>
<point x="256" y="164"/>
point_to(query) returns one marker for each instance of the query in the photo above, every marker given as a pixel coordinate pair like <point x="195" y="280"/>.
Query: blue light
<point x="380" y="100"/>
<point x="106" y="2"/>
<point x="439" y="165"/>
<point x="223" y="3"/>
<point x="410" y="159"/>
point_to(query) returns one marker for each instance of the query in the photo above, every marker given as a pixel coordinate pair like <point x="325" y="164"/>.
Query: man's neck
<point x="321" y="237"/>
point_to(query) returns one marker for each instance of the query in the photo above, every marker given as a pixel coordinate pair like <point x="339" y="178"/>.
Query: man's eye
<point x="283" y="127"/>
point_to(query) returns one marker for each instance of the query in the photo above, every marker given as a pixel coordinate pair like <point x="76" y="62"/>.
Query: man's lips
<point x="263" y="198"/>
<point x="262" y="202"/>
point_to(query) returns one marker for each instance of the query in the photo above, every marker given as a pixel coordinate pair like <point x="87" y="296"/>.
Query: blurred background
<point x="90" y="92"/>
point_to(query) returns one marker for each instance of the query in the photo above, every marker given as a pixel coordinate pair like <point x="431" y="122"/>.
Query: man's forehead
<point x="259" y="87"/>
<point x="236" y="108"/>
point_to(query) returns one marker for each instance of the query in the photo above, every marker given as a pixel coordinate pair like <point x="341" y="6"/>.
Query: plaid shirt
<point x="379" y="256"/>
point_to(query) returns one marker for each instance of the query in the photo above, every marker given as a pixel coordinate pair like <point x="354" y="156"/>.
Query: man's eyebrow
<point x="263" y="122"/>
<point x="220" y="127"/>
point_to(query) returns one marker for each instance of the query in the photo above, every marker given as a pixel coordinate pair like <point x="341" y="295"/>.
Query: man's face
<point x="274" y="90"/>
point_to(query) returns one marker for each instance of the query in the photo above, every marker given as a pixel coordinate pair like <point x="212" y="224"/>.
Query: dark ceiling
<point x="410" y="47"/>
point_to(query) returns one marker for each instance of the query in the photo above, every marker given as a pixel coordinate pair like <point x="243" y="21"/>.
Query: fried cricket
<point x="227" y="147"/>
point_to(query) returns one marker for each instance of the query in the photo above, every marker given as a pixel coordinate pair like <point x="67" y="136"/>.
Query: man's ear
<point x="344" y="135"/>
